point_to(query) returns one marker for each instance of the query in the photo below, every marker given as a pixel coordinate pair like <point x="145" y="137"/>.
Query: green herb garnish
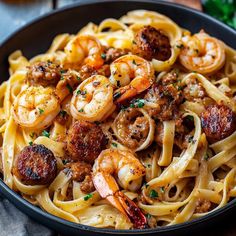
<point x="62" y="113"/>
<point x="46" y="133"/>
<point x="69" y="88"/>
<point x="162" y="189"/>
<point x="30" y="143"/>
<point x="32" y="135"/>
<point x="65" y="161"/>
<point x="114" y="144"/>
<point x="153" y="193"/>
<point x="103" y="56"/>
<point x="116" y="95"/>
<point x="88" y="196"/>
<point x="41" y="111"/>
<point x="180" y="46"/>
<point x="81" y="110"/>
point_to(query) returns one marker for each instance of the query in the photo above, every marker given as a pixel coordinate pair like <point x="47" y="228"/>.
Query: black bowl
<point x="36" y="37"/>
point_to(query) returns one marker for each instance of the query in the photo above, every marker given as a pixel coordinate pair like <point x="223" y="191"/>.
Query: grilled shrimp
<point x="36" y="107"/>
<point x="131" y="75"/>
<point x="128" y="169"/>
<point x="85" y="49"/>
<point x="92" y="100"/>
<point x="202" y="53"/>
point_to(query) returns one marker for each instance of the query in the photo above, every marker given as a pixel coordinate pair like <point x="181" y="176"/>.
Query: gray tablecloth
<point x="14" y="222"/>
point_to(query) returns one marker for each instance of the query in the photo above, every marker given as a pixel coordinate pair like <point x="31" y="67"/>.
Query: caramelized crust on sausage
<point x="44" y="73"/>
<point x="218" y="122"/>
<point x="35" y="165"/>
<point x="167" y="95"/>
<point x="150" y="43"/>
<point x="85" y="141"/>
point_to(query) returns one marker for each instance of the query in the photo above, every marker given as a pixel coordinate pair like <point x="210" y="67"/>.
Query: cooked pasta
<point x="127" y="124"/>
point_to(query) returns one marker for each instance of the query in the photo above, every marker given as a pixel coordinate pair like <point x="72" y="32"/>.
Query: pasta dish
<point x="128" y="124"/>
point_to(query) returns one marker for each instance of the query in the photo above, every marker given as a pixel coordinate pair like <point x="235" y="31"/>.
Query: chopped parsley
<point x="153" y="193"/>
<point x="30" y="143"/>
<point x="116" y="95"/>
<point x="69" y="88"/>
<point x="114" y="144"/>
<point x="65" y="161"/>
<point x="41" y="111"/>
<point x="148" y="216"/>
<point x="78" y="78"/>
<point x="180" y="46"/>
<point x="138" y="103"/>
<point x="87" y="197"/>
<point x="206" y="157"/>
<point x="81" y="110"/>
<point x="118" y="83"/>
<point x="78" y="92"/>
<point x="191" y="140"/>
<point x="162" y="189"/>
<point x="103" y="56"/>
<point x="189" y="117"/>
<point x="149" y="165"/>
<point x="46" y="133"/>
<point x="63" y="71"/>
<point x="134" y="62"/>
<point x="62" y="113"/>
<point x="32" y="135"/>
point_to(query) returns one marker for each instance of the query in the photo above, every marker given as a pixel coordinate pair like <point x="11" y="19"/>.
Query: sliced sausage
<point x="218" y="122"/>
<point x="167" y="95"/>
<point x="35" y="165"/>
<point x="85" y="141"/>
<point x="151" y="43"/>
<point x="44" y="73"/>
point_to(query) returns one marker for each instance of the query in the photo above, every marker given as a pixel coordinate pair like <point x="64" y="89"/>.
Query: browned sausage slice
<point x="218" y="122"/>
<point x="44" y="73"/>
<point x="85" y="141"/>
<point x="150" y="43"/>
<point x="35" y="165"/>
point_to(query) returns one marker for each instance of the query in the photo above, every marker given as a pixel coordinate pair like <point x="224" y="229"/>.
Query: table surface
<point x="15" y="13"/>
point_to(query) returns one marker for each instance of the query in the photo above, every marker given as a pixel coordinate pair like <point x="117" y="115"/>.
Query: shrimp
<point x="132" y="75"/>
<point x="36" y="107"/>
<point x="202" y="53"/>
<point x="128" y="169"/>
<point x="85" y="49"/>
<point x="92" y="99"/>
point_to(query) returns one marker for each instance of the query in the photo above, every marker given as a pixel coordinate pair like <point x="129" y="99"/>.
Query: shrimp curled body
<point x="92" y="100"/>
<point x="36" y="107"/>
<point x="202" y="53"/>
<point x="85" y="49"/>
<point x="127" y="168"/>
<point x="131" y="75"/>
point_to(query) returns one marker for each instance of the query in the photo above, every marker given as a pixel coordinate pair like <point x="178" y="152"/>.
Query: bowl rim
<point x="11" y="194"/>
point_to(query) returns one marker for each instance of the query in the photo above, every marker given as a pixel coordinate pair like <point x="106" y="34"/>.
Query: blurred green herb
<point x="223" y="10"/>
